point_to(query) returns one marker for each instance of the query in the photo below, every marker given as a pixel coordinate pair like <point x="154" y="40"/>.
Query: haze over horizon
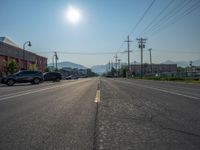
<point x="98" y="33"/>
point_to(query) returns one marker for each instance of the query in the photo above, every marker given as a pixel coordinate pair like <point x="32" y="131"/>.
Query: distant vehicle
<point x="71" y="77"/>
<point x="34" y="77"/>
<point x="52" y="76"/>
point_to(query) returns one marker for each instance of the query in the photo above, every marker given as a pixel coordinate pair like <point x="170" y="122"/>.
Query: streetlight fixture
<point x="29" y="44"/>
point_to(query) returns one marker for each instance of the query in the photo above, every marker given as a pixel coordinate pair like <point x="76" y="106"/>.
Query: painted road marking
<point x="36" y="91"/>
<point x="163" y="90"/>
<point x="166" y="91"/>
<point x="48" y="85"/>
<point x="97" y="98"/>
<point x="170" y="92"/>
<point x="31" y="92"/>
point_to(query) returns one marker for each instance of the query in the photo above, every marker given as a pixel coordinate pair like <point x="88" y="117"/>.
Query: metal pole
<point x="128" y="42"/>
<point x="141" y="57"/>
<point x="141" y="42"/>
<point x="128" y="55"/>
<point x="150" y="59"/>
<point x="53" y="62"/>
<point x="29" y="44"/>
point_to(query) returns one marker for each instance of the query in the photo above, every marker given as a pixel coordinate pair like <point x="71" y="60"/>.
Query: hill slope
<point x="68" y="64"/>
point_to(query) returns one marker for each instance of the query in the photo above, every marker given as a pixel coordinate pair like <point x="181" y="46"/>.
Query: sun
<point x="73" y="15"/>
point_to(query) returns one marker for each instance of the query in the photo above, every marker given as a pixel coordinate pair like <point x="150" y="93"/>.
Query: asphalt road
<point x="141" y="114"/>
<point x="48" y="116"/>
<point x="131" y="114"/>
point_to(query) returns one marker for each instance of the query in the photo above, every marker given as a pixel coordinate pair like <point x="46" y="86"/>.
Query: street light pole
<point x="29" y="44"/>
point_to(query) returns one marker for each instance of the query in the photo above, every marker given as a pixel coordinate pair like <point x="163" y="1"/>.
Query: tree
<point x="181" y="69"/>
<point x="12" y="66"/>
<point x="113" y="71"/>
<point x="47" y="69"/>
<point x="124" y="71"/>
<point x="32" y="67"/>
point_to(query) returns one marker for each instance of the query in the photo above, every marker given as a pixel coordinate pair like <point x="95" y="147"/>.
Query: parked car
<point x="52" y="76"/>
<point x="71" y="77"/>
<point x="34" y="77"/>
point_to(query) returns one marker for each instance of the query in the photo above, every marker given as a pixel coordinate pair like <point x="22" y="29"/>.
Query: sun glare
<point x="73" y="15"/>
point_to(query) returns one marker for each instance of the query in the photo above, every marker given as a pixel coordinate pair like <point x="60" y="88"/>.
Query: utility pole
<point x="116" y="61"/>
<point x="116" y="64"/>
<point x="128" y="43"/>
<point x="119" y="67"/>
<point x="141" y="42"/>
<point x="53" y="62"/>
<point x="191" y="63"/>
<point x="109" y="66"/>
<point x="56" y="56"/>
<point x="150" y="60"/>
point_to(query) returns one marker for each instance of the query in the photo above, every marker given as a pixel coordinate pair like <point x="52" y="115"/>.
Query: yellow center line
<point x="97" y="98"/>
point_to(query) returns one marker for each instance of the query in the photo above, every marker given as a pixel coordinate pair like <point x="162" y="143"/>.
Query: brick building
<point x="9" y="50"/>
<point x="154" y="69"/>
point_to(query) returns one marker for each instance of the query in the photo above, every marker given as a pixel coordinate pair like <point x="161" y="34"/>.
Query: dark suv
<point x="52" y="76"/>
<point x="34" y="77"/>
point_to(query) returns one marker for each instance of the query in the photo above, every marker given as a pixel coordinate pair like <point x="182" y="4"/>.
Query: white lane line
<point x="31" y="92"/>
<point x="98" y="97"/>
<point x="24" y="91"/>
<point x="170" y="92"/>
<point x="21" y="86"/>
<point x="41" y="89"/>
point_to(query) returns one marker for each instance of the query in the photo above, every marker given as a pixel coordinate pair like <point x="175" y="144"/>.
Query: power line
<point x="177" y="51"/>
<point x="169" y="15"/>
<point x="140" y="20"/>
<point x="178" y="18"/>
<point x="77" y="53"/>
<point x="170" y="18"/>
<point x="156" y="17"/>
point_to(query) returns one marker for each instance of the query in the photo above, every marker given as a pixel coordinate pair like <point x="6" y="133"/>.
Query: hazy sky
<point x="103" y="27"/>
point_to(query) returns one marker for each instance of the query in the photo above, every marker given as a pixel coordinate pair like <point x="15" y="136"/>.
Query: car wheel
<point x="36" y="81"/>
<point x="10" y="82"/>
<point x="57" y="80"/>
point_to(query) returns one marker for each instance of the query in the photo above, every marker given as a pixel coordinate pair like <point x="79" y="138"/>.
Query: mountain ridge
<point x="100" y="69"/>
<point x="68" y="64"/>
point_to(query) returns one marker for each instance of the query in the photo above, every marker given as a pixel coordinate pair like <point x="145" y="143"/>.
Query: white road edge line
<point x="35" y="91"/>
<point x="31" y="92"/>
<point x="162" y="90"/>
<point x="48" y="85"/>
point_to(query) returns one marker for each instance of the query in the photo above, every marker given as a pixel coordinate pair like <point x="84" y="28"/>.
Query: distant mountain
<point x="183" y="63"/>
<point x="100" y="69"/>
<point x="196" y="62"/>
<point x="69" y="64"/>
